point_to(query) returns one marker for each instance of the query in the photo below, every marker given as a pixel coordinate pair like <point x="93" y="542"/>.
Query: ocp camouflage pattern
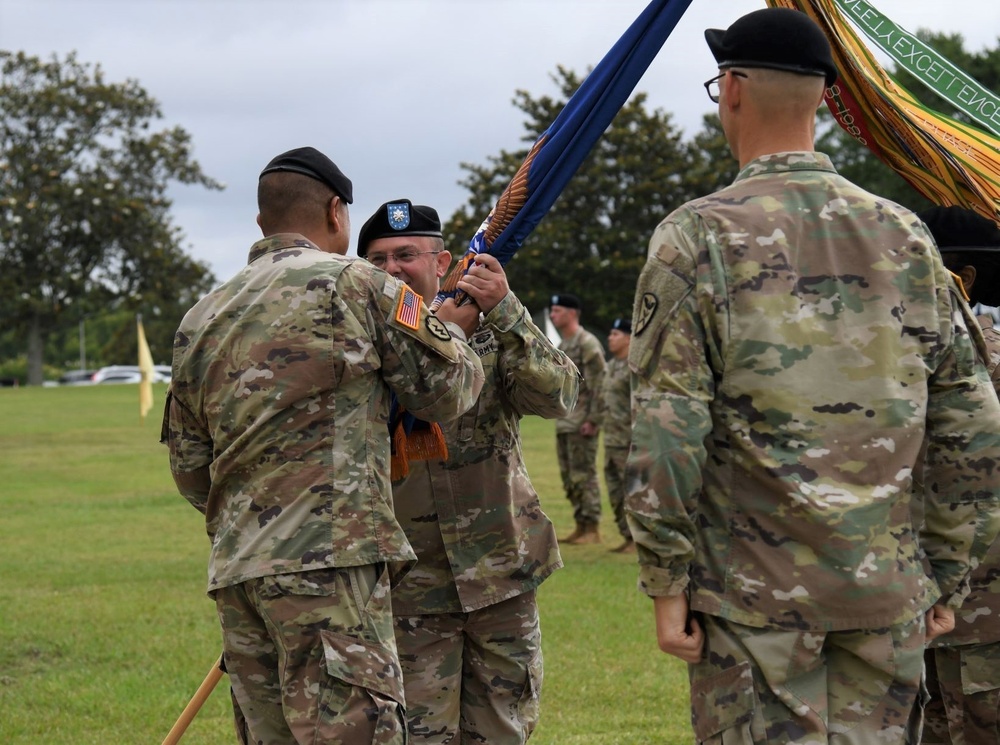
<point x="795" y="340"/>
<point x="475" y="521"/>
<point x="281" y="386"/>
<point x="978" y="620"/>
<point x="614" y="411"/>
<point x="587" y="354"/>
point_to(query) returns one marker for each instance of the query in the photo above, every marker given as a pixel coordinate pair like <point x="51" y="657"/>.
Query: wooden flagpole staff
<point x="195" y="704"/>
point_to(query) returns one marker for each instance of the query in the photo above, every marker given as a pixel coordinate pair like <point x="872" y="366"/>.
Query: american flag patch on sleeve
<point x="408" y="308"/>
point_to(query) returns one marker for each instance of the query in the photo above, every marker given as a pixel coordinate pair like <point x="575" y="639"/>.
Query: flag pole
<point x="194" y="705"/>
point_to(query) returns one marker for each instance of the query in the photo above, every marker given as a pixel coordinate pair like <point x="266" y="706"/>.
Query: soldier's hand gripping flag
<point x="548" y="167"/>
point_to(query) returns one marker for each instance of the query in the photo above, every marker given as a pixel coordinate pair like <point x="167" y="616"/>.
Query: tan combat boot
<point x="575" y="535"/>
<point x="591" y="535"/>
<point x="628" y="547"/>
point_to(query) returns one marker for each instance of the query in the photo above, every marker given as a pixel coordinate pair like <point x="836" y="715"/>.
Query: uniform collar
<point x="805" y="160"/>
<point x="278" y="242"/>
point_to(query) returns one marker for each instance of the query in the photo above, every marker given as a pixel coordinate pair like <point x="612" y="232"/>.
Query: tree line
<point x="86" y="230"/>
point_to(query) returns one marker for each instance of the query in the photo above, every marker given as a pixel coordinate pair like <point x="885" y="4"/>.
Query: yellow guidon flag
<point x="146" y="369"/>
<point x="949" y="162"/>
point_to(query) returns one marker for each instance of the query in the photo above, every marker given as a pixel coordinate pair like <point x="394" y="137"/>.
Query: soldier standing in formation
<point x="577" y="432"/>
<point x="276" y="425"/>
<point x="796" y="342"/>
<point x="963" y="666"/>
<point x="615" y="421"/>
<point x="466" y="616"/>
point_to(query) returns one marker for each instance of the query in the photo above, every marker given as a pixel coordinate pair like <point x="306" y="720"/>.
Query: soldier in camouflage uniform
<point x="576" y="433"/>
<point x="795" y="342"/>
<point x="466" y="617"/>
<point x="276" y="425"/>
<point x="614" y="417"/>
<point x="963" y="668"/>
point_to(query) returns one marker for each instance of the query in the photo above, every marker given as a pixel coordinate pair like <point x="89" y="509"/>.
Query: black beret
<point x="398" y="217"/>
<point x="961" y="229"/>
<point x="775" y="38"/>
<point x="622" y="324"/>
<point x="565" y="301"/>
<point x="312" y="163"/>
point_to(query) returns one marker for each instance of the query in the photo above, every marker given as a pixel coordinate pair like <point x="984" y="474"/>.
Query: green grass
<point x="105" y="630"/>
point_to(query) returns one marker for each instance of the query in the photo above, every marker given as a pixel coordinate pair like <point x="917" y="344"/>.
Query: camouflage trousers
<point x="472" y="677"/>
<point x="312" y="658"/>
<point x="614" y="478"/>
<point x="578" y="469"/>
<point x="808" y="688"/>
<point x="964" y="685"/>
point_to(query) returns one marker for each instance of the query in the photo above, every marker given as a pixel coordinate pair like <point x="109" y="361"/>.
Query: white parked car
<point x="129" y="374"/>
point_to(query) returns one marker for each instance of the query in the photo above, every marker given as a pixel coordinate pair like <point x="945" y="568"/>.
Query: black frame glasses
<point x="714" y="97"/>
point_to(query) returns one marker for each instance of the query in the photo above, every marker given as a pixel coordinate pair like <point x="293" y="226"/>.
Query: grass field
<point x="105" y="630"/>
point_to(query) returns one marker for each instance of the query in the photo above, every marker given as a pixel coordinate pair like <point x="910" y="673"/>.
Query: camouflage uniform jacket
<point x="978" y="620"/>
<point x="795" y="340"/>
<point x="587" y="354"/>
<point x="281" y="387"/>
<point x="614" y="415"/>
<point x="475" y="521"/>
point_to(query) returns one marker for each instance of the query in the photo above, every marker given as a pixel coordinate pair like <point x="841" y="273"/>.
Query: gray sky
<point x="397" y="92"/>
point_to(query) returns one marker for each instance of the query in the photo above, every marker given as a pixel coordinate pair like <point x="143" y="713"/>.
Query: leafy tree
<point x="84" y="217"/>
<point x="593" y="242"/>
<point x="860" y="165"/>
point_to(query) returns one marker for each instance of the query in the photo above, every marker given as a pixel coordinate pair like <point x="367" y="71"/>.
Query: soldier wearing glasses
<point x="796" y="342"/>
<point x="466" y="616"/>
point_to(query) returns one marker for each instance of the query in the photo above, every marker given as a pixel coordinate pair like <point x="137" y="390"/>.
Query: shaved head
<point x="291" y="203"/>
<point x="783" y="93"/>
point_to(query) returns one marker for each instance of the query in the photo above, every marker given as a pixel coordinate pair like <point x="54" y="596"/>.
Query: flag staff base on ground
<point x="194" y="705"/>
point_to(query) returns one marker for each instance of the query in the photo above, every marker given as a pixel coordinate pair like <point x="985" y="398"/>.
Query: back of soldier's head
<point x="295" y="189"/>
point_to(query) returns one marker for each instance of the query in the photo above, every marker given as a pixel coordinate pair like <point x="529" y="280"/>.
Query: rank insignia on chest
<point x="408" y="308"/>
<point x="398" y="215"/>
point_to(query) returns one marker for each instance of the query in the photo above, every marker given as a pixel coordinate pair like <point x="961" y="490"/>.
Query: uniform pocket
<point x="528" y="705"/>
<point x="372" y="671"/>
<point x="723" y="706"/>
<point x="979" y="669"/>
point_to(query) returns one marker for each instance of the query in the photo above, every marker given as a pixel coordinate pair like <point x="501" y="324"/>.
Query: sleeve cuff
<point x="657" y="581"/>
<point x="507" y="314"/>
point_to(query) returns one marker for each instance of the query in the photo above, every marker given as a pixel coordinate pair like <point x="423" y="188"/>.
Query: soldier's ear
<point x="443" y="262"/>
<point x="968" y="276"/>
<point x="333" y="214"/>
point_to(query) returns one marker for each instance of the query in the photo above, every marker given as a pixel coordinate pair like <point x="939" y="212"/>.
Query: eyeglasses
<point x="403" y="257"/>
<point x="712" y="86"/>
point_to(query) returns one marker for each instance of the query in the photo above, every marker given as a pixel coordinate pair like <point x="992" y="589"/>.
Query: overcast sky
<point x="397" y="92"/>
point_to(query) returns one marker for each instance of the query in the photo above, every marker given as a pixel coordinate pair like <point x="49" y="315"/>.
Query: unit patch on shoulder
<point x="408" y="308"/>
<point x="648" y="304"/>
<point x="437" y="328"/>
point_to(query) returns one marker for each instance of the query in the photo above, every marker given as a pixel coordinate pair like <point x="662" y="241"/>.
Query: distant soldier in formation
<point x="276" y="420"/>
<point x="963" y="668"/>
<point x="577" y="432"/>
<point x="615" y="421"/>
<point x="796" y="342"/>
<point x="466" y="616"/>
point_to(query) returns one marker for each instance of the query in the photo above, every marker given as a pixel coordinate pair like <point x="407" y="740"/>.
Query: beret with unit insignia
<point x="398" y="217"/>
